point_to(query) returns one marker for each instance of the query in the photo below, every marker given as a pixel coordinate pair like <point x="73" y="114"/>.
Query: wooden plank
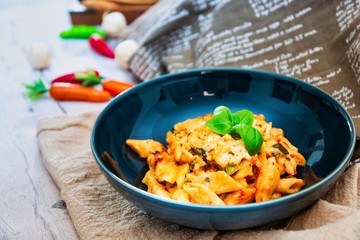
<point x="31" y="206"/>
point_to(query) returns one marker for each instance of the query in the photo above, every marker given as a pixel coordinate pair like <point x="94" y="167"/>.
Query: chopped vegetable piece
<point x="281" y="148"/>
<point x="116" y="87"/>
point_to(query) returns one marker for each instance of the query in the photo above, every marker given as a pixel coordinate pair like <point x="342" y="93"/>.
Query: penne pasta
<point x="245" y="195"/>
<point x="218" y="182"/>
<point x="202" y="166"/>
<point x="199" y="193"/>
<point x="144" y="148"/>
<point x="267" y="180"/>
<point x="289" y="185"/>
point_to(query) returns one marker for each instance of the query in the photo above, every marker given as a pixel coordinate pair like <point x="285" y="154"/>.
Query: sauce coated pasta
<point x="201" y="166"/>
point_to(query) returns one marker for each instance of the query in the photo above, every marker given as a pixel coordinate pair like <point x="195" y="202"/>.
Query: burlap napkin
<point x="99" y="212"/>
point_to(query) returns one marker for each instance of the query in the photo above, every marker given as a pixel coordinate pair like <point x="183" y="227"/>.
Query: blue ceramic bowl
<point x="311" y="119"/>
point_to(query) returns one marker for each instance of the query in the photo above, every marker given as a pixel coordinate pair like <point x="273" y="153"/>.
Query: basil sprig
<point x="226" y="122"/>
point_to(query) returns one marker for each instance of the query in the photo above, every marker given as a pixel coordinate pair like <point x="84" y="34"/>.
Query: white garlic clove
<point x="39" y="55"/>
<point x="113" y="24"/>
<point x="124" y="51"/>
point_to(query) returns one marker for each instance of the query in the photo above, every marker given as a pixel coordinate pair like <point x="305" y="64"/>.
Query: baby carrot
<point x="66" y="91"/>
<point x="116" y="87"/>
<point x="74" y="92"/>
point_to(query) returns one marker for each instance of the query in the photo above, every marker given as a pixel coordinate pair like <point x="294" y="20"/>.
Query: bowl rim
<point x="248" y="206"/>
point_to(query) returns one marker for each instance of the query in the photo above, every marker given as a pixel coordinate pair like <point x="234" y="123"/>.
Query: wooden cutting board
<point x="90" y="12"/>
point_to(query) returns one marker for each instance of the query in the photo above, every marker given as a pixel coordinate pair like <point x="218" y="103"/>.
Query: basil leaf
<point x="244" y="116"/>
<point x="252" y="138"/>
<point x="239" y="123"/>
<point x="238" y="128"/>
<point x="224" y="112"/>
<point x="219" y="124"/>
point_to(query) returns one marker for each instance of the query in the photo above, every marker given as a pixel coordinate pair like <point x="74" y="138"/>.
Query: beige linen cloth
<point x="99" y="212"/>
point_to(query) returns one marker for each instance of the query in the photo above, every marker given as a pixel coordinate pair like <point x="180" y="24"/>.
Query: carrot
<point x="115" y="87"/>
<point x="66" y="91"/>
<point x="74" y="92"/>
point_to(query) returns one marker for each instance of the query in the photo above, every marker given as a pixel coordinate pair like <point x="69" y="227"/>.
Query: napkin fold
<point x="98" y="211"/>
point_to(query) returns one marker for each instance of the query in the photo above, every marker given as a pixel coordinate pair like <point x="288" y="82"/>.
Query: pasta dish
<point x="202" y="166"/>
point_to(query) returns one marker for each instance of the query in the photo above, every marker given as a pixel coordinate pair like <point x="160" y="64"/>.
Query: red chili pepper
<point x="85" y="78"/>
<point x="100" y="46"/>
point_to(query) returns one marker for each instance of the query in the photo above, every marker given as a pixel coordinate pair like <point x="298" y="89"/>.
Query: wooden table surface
<point x="31" y="206"/>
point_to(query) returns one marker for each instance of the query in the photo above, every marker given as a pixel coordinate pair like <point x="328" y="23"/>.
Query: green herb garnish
<point x="231" y="169"/>
<point x="35" y="90"/>
<point x="225" y="122"/>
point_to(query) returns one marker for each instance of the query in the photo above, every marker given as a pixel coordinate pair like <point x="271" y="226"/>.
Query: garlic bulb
<point x="113" y="24"/>
<point x="39" y="55"/>
<point x="124" y="51"/>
